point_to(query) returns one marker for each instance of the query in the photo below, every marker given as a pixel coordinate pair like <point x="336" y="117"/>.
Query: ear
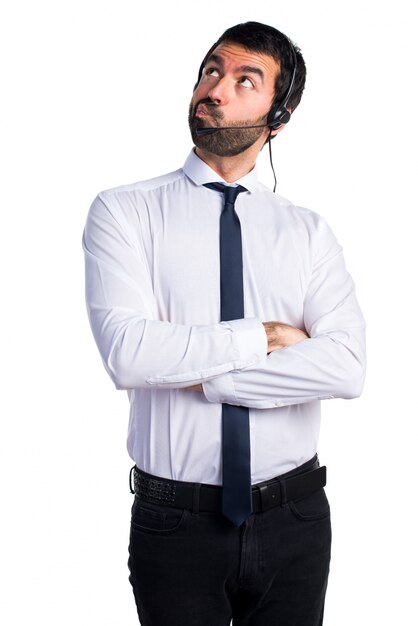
<point x="277" y="130"/>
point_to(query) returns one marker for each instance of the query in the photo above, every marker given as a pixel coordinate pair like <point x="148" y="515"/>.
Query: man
<point x="227" y="314"/>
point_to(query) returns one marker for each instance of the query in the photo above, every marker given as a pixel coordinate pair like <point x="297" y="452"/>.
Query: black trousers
<point x="198" y="569"/>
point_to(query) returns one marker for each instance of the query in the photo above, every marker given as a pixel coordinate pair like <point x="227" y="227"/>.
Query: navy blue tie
<point x="236" y="458"/>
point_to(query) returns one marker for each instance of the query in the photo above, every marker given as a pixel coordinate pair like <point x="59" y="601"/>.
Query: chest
<point x="183" y="255"/>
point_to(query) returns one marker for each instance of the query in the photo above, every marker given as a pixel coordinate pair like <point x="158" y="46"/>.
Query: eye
<point x="212" y="71"/>
<point x="246" y="82"/>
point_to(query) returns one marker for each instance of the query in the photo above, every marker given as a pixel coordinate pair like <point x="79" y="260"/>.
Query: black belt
<point x="293" y="485"/>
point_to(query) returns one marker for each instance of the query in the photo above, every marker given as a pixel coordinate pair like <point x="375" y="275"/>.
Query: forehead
<point x="235" y="56"/>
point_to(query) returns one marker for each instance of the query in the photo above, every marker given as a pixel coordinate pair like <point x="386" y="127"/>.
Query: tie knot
<point x="230" y="193"/>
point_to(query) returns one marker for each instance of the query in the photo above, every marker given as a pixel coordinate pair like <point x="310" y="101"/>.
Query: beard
<point x="224" y="143"/>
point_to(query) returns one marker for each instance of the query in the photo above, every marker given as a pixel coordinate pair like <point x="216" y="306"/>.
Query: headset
<point x="278" y="114"/>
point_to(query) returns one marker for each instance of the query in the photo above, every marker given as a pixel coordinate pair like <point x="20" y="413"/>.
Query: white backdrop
<point x="95" y="94"/>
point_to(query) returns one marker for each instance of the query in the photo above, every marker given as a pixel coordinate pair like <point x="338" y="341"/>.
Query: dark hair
<point x="265" y="39"/>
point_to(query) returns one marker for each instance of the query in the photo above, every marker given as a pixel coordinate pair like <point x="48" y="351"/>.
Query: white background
<point x="95" y="94"/>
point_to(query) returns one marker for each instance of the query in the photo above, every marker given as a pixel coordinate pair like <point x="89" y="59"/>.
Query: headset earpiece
<point x="277" y="117"/>
<point x="279" y="114"/>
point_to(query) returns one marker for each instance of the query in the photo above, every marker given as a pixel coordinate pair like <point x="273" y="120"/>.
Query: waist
<point x="181" y="441"/>
<point x="295" y="484"/>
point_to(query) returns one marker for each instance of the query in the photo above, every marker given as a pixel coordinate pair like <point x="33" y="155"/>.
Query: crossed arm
<point x="243" y="362"/>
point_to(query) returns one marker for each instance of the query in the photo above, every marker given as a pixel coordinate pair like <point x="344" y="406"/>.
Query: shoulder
<point x="288" y="212"/>
<point x="307" y="229"/>
<point x="127" y="203"/>
<point x="157" y="184"/>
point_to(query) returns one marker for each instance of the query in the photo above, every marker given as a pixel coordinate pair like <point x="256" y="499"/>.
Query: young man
<point x="228" y="314"/>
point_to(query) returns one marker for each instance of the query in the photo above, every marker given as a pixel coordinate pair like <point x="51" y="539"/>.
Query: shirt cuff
<point x="250" y="340"/>
<point x="220" y="389"/>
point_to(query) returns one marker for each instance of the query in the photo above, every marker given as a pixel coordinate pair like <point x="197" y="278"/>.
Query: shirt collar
<point x="200" y="173"/>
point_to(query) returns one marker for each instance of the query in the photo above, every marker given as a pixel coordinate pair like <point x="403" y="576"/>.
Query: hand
<point x="197" y="387"/>
<point x="282" y="335"/>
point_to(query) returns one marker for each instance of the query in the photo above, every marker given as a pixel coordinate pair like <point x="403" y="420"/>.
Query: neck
<point x="231" y="168"/>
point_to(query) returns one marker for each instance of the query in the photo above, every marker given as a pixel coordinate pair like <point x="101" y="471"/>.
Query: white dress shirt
<point x="153" y="299"/>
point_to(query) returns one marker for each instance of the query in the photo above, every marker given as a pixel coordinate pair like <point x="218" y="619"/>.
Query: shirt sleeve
<point x="137" y="349"/>
<point x="330" y="364"/>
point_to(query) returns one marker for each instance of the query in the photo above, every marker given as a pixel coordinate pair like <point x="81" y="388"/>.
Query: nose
<point x="219" y="93"/>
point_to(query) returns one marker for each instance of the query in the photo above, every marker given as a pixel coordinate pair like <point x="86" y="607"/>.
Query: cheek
<point x="260" y="108"/>
<point x="195" y="96"/>
<point x="200" y="91"/>
<point x="192" y="106"/>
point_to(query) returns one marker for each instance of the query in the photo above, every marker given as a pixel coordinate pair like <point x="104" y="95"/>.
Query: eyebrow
<point x="247" y="69"/>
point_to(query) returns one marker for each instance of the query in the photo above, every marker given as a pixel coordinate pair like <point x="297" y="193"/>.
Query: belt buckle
<point x="269" y="497"/>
